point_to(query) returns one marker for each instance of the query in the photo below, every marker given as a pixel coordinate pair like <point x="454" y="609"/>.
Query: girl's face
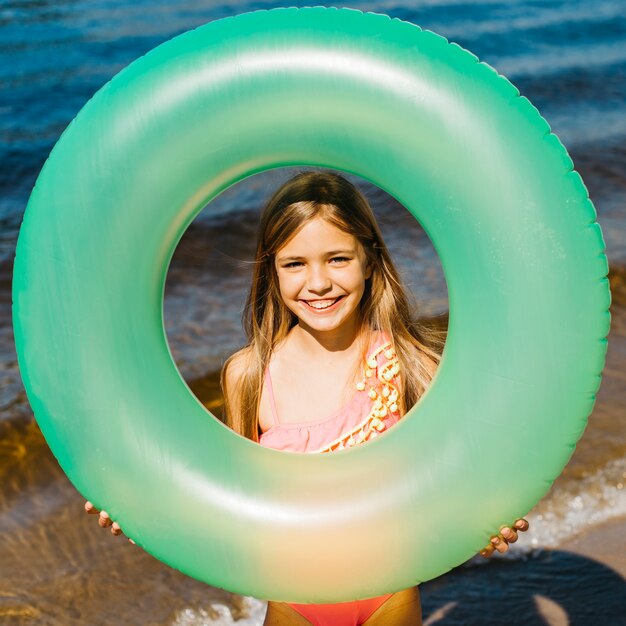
<point x="321" y="273"/>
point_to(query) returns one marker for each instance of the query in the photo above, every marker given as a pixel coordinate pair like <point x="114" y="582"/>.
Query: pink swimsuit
<point x="372" y="410"/>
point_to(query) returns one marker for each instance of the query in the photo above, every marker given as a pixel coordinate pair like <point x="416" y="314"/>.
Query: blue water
<point x="568" y="58"/>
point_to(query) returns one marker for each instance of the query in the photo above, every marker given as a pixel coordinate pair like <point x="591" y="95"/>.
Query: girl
<point x="334" y="356"/>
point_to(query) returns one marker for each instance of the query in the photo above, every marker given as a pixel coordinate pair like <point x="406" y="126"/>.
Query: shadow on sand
<point x="550" y="587"/>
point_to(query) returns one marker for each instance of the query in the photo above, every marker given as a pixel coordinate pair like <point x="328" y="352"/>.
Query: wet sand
<point x="59" y="568"/>
<point x="605" y="543"/>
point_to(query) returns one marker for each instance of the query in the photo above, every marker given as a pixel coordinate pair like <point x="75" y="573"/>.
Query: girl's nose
<point x="318" y="280"/>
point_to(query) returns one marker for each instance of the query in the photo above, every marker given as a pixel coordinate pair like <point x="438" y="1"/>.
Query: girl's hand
<point x="507" y="535"/>
<point x="104" y="520"/>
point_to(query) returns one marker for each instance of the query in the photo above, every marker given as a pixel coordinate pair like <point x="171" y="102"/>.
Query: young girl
<point x="334" y="355"/>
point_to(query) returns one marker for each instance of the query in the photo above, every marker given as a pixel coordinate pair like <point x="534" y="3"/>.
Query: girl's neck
<point x="314" y="343"/>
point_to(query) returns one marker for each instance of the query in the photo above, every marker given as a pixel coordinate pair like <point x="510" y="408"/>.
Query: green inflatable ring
<point x="421" y="118"/>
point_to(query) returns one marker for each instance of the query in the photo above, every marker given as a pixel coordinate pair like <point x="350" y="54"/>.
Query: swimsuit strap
<point x="270" y="391"/>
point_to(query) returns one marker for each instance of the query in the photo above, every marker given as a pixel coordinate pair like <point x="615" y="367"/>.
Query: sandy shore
<point x="605" y="543"/>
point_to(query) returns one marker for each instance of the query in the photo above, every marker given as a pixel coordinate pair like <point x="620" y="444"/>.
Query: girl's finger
<point x="90" y="508"/>
<point x="104" y="520"/>
<point x="510" y="536"/>
<point x="521" y="524"/>
<point x="499" y="544"/>
<point x="487" y="551"/>
<point x="115" y="529"/>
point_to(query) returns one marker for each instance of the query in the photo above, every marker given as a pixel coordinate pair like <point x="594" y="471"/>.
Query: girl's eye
<point x="335" y="259"/>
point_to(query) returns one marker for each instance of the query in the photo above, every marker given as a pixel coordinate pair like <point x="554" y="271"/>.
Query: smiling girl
<point x="334" y="358"/>
<point x="334" y="355"/>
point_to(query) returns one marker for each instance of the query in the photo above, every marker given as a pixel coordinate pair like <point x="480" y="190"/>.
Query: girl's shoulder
<point x="236" y="365"/>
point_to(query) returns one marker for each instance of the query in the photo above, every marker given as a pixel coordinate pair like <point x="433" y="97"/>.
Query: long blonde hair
<point x="384" y="306"/>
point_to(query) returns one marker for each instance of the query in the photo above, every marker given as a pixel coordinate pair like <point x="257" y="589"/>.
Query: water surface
<point x="56" y="566"/>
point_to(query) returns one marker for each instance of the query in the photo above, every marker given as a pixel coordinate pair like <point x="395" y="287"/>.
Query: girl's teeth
<point x="322" y="304"/>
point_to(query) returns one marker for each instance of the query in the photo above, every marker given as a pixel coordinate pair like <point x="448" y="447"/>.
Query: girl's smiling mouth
<point x="322" y="304"/>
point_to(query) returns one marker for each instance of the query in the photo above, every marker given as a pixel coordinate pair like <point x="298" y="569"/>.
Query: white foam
<point x="591" y="500"/>
<point x="219" y="614"/>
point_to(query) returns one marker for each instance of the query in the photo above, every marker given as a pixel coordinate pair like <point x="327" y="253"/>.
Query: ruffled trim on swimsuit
<point x="378" y="381"/>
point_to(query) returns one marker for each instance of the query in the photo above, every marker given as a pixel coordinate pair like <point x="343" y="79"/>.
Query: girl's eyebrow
<point x="282" y="259"/>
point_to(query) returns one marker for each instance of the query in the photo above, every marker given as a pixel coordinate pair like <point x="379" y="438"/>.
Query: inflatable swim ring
<point x="457" y="145"/>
